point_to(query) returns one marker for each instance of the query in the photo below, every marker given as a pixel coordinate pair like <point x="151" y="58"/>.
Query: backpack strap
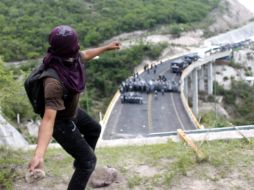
<point x="52" y="73"/>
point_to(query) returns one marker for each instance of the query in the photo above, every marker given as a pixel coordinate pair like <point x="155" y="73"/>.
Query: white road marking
<point x="177" y="114"/>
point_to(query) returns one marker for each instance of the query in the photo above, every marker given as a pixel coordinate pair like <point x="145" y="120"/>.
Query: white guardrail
<point x="187" y="71"/>
<point x="105" y="119"/>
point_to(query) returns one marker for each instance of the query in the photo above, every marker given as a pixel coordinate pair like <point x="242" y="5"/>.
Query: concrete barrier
<point x="187" y="72"/>
<point x="226" y="133"/>
<point x="105" y="119"/>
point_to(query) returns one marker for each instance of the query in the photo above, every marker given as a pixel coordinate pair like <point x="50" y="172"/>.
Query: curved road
<point x="156" y="115"/>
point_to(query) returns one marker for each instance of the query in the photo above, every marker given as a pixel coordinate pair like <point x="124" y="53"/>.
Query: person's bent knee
<point x="86" y="165"/>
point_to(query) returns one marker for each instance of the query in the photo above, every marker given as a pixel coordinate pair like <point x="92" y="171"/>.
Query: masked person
<point x="63" y="119"/>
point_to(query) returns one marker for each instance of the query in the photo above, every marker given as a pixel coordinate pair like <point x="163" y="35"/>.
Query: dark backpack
<point x="35" y="89"/>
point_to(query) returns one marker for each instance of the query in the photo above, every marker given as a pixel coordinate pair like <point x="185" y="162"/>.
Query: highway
<point x="161" y="114"/>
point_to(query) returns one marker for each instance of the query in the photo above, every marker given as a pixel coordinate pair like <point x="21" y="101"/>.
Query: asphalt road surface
<point x="157" y="114"/>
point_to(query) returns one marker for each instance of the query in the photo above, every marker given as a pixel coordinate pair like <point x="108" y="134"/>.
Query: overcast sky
<point x="249" y="4"/>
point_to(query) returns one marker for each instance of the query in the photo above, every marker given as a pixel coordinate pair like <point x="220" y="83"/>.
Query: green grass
<point x="166" y="163"/>
<point x="10" y="163"/>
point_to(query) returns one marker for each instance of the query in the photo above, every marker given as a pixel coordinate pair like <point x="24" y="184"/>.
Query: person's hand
<point x="36" y="163"/>
<point x="113" y="46"/>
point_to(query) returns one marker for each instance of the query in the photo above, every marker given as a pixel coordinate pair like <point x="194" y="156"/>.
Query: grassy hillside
<point x="167" y="166"/>
<point x="26" y="24"/>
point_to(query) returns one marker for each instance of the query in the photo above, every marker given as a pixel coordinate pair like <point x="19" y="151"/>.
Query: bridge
<point x="162" y="114"/>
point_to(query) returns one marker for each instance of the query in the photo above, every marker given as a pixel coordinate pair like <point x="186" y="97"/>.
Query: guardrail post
<point x="195" y="92"/>
<point x="200" y="155"/>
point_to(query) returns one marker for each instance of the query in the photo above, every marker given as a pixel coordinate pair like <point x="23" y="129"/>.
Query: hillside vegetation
<point x="239" y="101"/>
<point x="25" y="24"/>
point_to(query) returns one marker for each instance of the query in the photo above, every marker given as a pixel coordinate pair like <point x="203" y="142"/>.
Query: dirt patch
<point x="146" y="171"/>
<point x="48" y="183"/>
<point x="211" y="178"/>
<point x="191" y="38"/>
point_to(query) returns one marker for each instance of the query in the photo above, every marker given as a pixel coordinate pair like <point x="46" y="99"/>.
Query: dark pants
<point x="78" y="137"/>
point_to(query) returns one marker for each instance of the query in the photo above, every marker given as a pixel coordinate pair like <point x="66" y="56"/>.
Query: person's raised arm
<point x="44" y="137"/>
<point x="93" y="52"/>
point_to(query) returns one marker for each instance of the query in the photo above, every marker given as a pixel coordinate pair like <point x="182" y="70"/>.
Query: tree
<point x="13" y="99"/>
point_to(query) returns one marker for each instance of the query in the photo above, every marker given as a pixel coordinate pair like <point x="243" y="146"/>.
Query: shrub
<point x="9" y="163"/>
<point x="176" y="30"/>
<point x="213" y="120"/>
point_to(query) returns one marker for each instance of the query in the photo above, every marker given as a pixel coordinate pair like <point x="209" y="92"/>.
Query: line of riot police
<point x="137" y="84"/>
<point x="132" y="88"/>
<point x="131" y="98"/>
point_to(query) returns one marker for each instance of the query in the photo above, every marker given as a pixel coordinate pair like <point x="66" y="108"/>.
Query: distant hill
<point x="25" y="24"/>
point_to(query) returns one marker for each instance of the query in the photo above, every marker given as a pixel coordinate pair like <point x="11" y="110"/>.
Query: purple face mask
<point x="63" y="56"/>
